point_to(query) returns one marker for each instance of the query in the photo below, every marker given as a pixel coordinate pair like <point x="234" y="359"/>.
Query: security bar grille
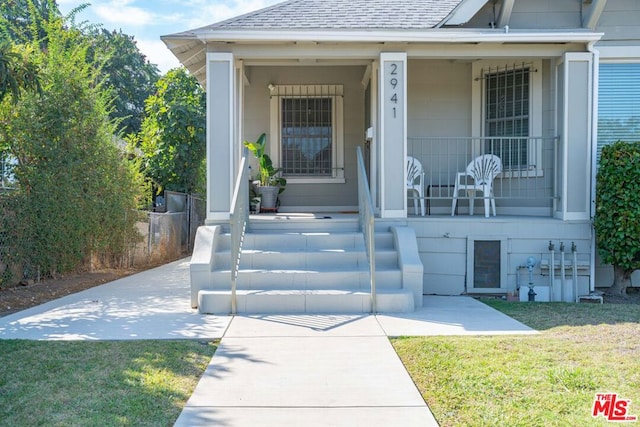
<point x="307" y="136"/>
<point x="308" y="129"/>
<point x="506" y="113"/>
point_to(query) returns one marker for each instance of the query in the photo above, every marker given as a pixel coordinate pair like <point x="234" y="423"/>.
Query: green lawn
<point x="123" y="383"/>
<point x="536" y="380"/>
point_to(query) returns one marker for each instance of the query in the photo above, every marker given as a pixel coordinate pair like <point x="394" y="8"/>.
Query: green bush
<point x="76" y="188"/>
<point x="173" y="134"/>
<point x="617" y="219"/>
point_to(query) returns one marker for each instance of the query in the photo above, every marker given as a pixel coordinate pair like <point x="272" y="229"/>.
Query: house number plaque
<point x="394" y="85"/>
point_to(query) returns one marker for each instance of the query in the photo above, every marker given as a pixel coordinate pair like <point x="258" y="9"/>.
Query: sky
<point x="147" y="20"/>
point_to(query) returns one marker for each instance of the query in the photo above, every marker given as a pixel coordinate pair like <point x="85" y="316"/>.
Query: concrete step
<point x="304" y="267"/>
<point x="293" y="240"/>
<point x="303" y="224"/>
<point x="304" y="301"/>
<point x="311" y="259"/>
<point x="288" y="279"/>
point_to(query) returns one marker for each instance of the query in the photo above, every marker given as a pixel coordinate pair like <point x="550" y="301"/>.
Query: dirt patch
<point x="20" y="297"/>
<point x="632" y="297"/>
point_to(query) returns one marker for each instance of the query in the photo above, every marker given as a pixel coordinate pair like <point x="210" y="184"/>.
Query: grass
<point x="123" y="383"/>
<point x="548" y="379"/>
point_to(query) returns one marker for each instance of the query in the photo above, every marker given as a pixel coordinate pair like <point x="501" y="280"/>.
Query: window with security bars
<point x="306" y="136"/>
<point x="507" y="109"/>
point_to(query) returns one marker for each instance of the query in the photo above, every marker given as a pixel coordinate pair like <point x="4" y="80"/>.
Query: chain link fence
<point x="164" y="235"/>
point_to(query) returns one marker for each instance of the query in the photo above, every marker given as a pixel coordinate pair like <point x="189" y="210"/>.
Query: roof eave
<point x="392" y="36"/>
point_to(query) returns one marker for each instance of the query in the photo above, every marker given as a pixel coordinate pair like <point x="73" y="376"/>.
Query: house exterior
<point x="442" y="81"/>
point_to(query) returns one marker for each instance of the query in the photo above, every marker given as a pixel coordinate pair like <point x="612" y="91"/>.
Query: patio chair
<point x="479" y="176"/>
<point x="415" y="182"/>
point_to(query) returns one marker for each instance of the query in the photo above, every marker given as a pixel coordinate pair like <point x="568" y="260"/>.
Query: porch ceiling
<point x="191" y="47"/>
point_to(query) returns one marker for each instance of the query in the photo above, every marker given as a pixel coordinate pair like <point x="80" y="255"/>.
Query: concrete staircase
<point x="306" y="267"/>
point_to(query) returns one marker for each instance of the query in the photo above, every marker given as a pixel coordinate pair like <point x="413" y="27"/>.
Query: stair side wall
<point x="409" y="261"/>
<point x="203" y="260"/>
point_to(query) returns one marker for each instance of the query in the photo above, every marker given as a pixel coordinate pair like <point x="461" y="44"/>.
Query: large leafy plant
<point x="617" y="219"/>
<point x="269" y="175"/>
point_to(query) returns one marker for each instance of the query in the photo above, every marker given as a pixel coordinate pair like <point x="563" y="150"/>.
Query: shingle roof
<point x="343" y="14"/>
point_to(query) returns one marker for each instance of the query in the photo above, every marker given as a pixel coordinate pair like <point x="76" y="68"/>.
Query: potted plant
<point x="271" y="184"/>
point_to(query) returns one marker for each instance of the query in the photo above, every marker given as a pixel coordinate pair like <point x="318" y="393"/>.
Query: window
<point x="307" y="125"/>
<point x="507" y="115"/>
<point x="509" y="118"/>
<point x="307" y="136"/>
<point x="618" y="106"/>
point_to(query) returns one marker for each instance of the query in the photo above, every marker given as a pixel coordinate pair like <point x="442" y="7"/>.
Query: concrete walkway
<point x="270" y="370"/>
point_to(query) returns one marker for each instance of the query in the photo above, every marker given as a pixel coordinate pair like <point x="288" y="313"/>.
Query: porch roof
<point x="355" y="21"/>
<point x="342" y="14"/>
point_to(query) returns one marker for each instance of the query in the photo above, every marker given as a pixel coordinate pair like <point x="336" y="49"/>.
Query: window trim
<point x="479" y="70"/>
<point x="335" y="93"/>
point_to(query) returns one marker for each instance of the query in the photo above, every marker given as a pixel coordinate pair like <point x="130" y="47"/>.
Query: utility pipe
<point x="552" y="270"/>
<point x="562" y="266"/>
<point x="574" y="251"/>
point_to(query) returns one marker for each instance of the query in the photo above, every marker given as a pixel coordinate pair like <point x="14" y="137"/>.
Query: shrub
<point x="75" y="186"/>
<point x="617" y="219"/>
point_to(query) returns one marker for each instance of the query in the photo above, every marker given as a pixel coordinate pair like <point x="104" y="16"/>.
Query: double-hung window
<point x="306" y="121"/>
<point x="511" y="114"/>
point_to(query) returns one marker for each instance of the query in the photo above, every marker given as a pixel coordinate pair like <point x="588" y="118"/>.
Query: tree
<point x="17" y="72"/>
<point x="75" y="190"/>
<point x="617" y="219"/>
<point x="123" y="69"/>
<point x="25" y="20"/>
<point x="127" y="73"/>
<point x="172" y="138"/>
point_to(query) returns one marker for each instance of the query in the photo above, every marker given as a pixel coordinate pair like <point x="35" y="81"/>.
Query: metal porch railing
<point x="367" y="224"/>
<point x="529" y="165"/>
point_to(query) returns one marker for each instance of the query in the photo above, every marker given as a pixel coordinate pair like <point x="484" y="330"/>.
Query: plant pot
<point x="254" y="205"/>
<point x="269" y="196"/>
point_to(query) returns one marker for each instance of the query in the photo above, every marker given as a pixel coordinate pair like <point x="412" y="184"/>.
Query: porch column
<point x="575" y="119"/>
<point x="220" y="134"/>
<point x="392" y="103"/>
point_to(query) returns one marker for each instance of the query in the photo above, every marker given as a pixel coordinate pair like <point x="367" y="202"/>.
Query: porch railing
<point x="367" y="224"/>
<point x="529" y="165"/>
<point x="238" y="219"/>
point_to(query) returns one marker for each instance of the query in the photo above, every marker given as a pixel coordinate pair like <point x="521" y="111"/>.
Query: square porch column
<point x="392" y="102"/>
<point x="220" y="134"/>
<point x="576" y="87"/>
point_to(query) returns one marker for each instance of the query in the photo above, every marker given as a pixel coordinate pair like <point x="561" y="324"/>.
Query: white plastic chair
<point x="479" y="176"/>
<point x="415" y="182"/>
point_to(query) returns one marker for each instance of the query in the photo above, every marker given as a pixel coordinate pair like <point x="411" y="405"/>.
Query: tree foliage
<point x="617" y="220"/>
<point x="76" y="191"/>
<point x="122" y="67"/>
<point x="17" y="72"/>
<point x="172" y="138"/>
<point x="25" y="20"/>
<point x="127" y="73"/>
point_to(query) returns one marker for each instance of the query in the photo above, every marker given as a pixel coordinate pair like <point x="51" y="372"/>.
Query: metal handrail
<point x="367" y="224"/>
<point x="238" y="220"/>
